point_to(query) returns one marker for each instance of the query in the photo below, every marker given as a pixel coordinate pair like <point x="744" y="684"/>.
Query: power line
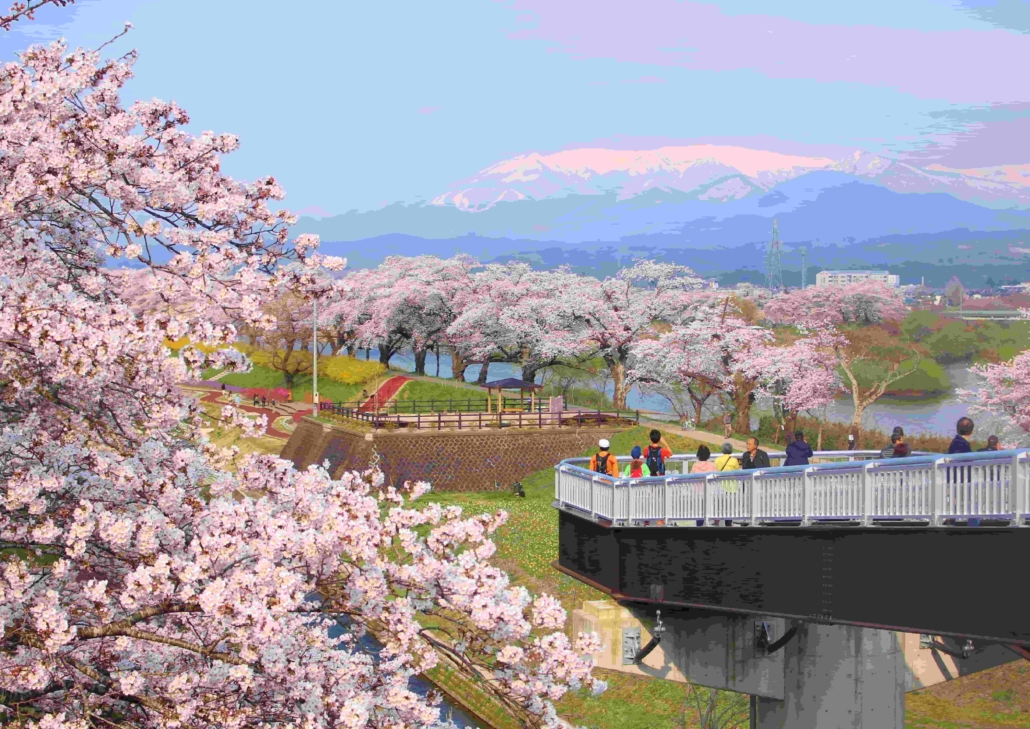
<point x="773" y="264"/>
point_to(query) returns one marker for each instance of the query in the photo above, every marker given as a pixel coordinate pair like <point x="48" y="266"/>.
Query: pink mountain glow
<point x="1011" y="174"/>
<point x="716" y="173"/>
<point x="750" y="162"/>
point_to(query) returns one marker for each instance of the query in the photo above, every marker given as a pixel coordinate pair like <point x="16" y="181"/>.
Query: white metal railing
<point x="855" y="486"/>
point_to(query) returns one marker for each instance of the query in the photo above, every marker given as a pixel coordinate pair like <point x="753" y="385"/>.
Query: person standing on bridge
<point x="798" y="451"/>
<point x="960" y="444"/>
<point x="726" y="462"/>
<point x="753" y="456"/>
<point x="603" y="461"/>
<point x="702" y="464"/>
<point x="657" y="451"/>
<point x="888" y="450"/>
<point x="992" y="444"/>
<point x="637" y="468"/>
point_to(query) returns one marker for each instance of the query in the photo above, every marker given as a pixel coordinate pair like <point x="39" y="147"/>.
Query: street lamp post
<point x="314" y="352"/>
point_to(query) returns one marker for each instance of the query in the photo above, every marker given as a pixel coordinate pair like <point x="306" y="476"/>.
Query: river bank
<point x="918" y="412"/>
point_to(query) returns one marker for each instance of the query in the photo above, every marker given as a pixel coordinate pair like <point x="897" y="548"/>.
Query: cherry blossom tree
<point x="1004" y="391"/>
<point x="138" y="585"/>
<point x="866" y="302"/>
<point x="506" y="318"/>
<point x="870" y="359"/>
<point x="716" y="353"/>
<point x="615" y="314"/>
<point x="404" y="302"/>
<point x="799" y="376"/>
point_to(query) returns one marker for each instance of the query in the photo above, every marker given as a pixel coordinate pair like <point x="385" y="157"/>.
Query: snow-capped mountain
<point x="717" y="174"/>
<point x="711" y="172"/>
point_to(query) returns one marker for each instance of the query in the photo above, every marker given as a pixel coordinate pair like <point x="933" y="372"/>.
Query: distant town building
<point x="843" y="278"/>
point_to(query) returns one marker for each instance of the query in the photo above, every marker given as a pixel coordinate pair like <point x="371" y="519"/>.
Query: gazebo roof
<point x="511" y="383"/>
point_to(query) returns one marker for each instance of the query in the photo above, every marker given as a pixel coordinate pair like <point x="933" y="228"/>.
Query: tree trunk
<point x="458" y="365"/>
<point x="438" y="360"/>
<point x="529" y="372"/>
<point x="368" y="353"/>
<point x="420" y="361"/>
<point x="819" y="439"/>
<point x="618" y="370"/>
<point x="741" y="397"/>
<point x="780" y="420"/>
<point x="385" y="353"/>
<point x="481" y="380"/>
<point x="351" y="349"/>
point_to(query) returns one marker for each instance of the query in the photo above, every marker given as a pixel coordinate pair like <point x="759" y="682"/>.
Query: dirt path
<point x="701" y="435"/>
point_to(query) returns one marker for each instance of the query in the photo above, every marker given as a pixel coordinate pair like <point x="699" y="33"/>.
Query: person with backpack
<point x="637" y="468"/>
<point x="656" y="453"/>
<point x="603" y="461"/>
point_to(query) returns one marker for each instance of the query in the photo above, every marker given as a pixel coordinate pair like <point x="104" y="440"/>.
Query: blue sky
<point x="353" y="105"/>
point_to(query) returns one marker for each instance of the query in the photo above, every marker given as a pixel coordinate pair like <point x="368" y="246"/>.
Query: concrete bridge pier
<point x="837" y="676"/>
<point x="800" y="675"/>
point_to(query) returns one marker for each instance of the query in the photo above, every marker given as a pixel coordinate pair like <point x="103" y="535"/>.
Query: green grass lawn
<point x="447" y="396"/>
<point x="267" y="377"/>
<point x="526" y="547"/>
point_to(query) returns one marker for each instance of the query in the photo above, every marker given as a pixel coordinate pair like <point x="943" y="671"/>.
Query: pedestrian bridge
<point x="802" y="586"/>
<point x="856" y="487"/>
<point x="929" y="544"/>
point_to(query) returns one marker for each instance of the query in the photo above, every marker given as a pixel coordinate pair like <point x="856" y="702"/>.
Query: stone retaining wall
<point x="450" y="460"/>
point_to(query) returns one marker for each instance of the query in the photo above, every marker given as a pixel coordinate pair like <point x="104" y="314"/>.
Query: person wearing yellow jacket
<point x="726" y="462"/>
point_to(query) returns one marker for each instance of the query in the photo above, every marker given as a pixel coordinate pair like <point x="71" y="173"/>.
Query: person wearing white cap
<point x="603" y="461"/>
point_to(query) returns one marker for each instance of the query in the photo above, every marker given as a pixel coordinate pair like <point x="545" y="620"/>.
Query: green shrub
<point x="928" y="377"/>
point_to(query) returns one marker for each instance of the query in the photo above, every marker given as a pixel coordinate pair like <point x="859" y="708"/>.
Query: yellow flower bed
<point x="176" y="344"/>
<point x="349" y="370"/>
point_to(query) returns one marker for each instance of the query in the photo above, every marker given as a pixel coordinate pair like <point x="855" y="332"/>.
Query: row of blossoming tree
<point x="138" y="586"/>
<point x="655" y="325"/>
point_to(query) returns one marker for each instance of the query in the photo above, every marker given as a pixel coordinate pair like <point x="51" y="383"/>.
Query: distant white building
<point x="843" y="278"/>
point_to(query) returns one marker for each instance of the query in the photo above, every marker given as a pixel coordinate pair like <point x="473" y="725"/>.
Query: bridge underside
<point x="961" y="582"/>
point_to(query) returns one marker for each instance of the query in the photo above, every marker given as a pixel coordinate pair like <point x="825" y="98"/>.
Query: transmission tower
<point x="773" y="265"/>
<point x="804" y="270"/>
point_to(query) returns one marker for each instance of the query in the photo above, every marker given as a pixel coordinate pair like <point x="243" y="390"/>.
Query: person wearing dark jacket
<point x="798" y="451"/>
<point x="901" y="449"/>
<point x="992" y="444"/>
<point x="888" y="450"/>
<point x="960" y="444"/>
<point x="753" y="457"/>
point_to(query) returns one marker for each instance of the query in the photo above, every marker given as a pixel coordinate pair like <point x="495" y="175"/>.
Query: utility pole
<point x="804" y="269"/>
<point x="314" y="352"/>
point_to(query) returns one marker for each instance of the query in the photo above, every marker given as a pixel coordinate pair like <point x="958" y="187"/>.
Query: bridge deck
<point x="870" y="543"/>
<point x="924" y="488"/>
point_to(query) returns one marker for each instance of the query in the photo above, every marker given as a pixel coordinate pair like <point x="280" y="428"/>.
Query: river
<point x="936" y="414"/>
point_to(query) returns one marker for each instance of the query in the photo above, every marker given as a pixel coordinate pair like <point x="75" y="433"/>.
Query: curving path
<point x="385" y="393"/>
<point x="271" y="414"/>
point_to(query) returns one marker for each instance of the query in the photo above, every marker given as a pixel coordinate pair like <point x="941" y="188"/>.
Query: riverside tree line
<point x="656" y="325"/>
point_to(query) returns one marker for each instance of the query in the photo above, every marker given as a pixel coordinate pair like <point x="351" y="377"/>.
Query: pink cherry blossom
<point x="150" y="578"/>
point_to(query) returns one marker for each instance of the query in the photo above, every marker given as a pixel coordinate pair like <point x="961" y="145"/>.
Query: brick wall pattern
<point x="451" y="461"/>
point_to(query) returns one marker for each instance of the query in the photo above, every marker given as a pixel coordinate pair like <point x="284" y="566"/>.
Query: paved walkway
<point x="384" y="394"/>
<point x="271" y="413"/>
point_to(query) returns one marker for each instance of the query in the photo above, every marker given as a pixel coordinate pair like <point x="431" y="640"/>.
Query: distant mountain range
<point x="691" y="198"/>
